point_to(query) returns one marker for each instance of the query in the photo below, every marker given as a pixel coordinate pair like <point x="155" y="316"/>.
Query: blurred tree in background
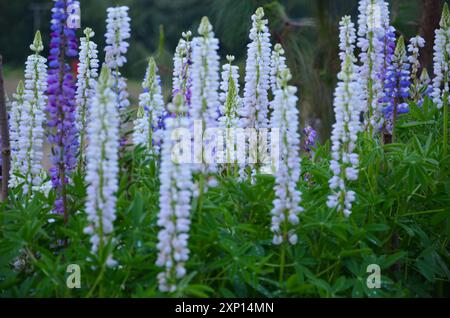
<point x="307" y="29"/>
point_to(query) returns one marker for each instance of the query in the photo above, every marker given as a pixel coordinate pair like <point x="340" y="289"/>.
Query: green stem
<point x="282" y="262"/>
<point x="445" y="132"/>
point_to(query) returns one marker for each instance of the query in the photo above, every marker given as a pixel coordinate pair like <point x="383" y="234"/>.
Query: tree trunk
<point x="4" y="130"/>
<point x="431" y="14"/>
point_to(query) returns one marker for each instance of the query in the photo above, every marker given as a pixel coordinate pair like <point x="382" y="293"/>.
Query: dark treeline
<point x="307" y="29"/>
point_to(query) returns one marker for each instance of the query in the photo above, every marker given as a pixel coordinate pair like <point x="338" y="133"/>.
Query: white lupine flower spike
<point x="30" y="134"/>
<point x="257" y="73"/>
<point x="182" y="68"/>
<point x="344" y="162"/>
<point x="287" y="196"/>
<point x="174" y="202"/>
<point x="205" y="75"/>
<point x="117" y="33"/>
<point x="231" y="102"/>
<point x="86" y="81"/>
<point x="150" y="111"/>
<point x="441" y="60"/>
<point x="102" y="167"/>
<point x="278" y="65"/>
<point x="205" y="84"/>
<point x="19" y="104"/>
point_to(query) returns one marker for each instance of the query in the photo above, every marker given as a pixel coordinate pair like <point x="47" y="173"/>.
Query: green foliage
<point x="399" y="221"/>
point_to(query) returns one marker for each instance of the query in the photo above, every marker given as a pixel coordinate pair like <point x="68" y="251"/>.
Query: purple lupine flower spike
<point x="397" y="86"/>
<point x="309" y="139"/>
<point x="61" y="103"/>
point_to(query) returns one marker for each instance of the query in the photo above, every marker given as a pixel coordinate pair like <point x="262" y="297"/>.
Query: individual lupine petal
<point x="257" y="74"/>
<point x="102" y="168"/>
<point x="373" y="23"/>
<point x="182" y="61"/>
<point x="205" y="75"/>
<point x="441" y="60"/>
<point x="278" y="65"/>
<point x="287" y="173"/>
<point x="117" y="32"/>
<point x="86" y="81"/>
<point x="61" y="106"/>
<point x="174" y="202"/>
<point x="150" y="111"/>
<point x="344" y="163"/>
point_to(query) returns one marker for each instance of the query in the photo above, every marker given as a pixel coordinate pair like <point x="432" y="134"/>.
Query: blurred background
<point x="308" y="30"/>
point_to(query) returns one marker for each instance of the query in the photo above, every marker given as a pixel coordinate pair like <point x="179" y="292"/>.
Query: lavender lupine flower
<point x="397" y="87"/>
<point x="373" y="21"/>
<point x="257" y="74"/>
<point x="231" y="102"/>
<point x="182" y="61"/>
<point x="287" y="202"/>
<point x="86" y="81"/>
<point x="175" y="202"/>
<point x="441" y="59"/>
<point x="61" y="106"/>
<point x="17" y="107"/>
<point x="344" y="162"/>
<point x="205" y="75"/>
<point x="150" y="111"/>
<point x="102" y="166"/>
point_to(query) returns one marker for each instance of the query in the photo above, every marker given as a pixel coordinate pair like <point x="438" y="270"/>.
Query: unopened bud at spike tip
<point x="445" y="18"/>
<point x="205" y="26"/>
<point x="37" y="45"/>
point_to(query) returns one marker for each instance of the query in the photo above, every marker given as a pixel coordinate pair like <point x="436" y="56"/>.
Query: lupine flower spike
<point x="373" y="20"/>
<point x="344" y="162"/>
<point x="205" y="75"/>
<point x="102" y="166"/>
<point x="287" y="197"/>
<point x="230" y="104"/>
<point x="257" y="73"/>
<point x="61" y="104"/>
<point x="255" y="112"/>
<point x="150" y="111"/>
<point x="415" y="44"/>
<point x="205" y="82"/>
<point x="31" y="130"/>
<point x="18" y="105"/>
<point x="278" y="65"/>
<point x="86" y="81"/>
<point x="397" y="87"/>
<point x="441" y="59"/>
<point x="182" y="61"/>
<point x="174" y="202"/>
<point x="117" y="33"/>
